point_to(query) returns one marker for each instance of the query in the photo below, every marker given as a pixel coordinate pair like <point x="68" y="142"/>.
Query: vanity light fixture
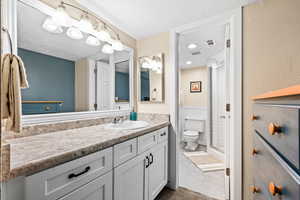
<point x="103" y="34"/>
<point x="85" y="24"/>
<point x="192" y="46"/>
<point x="74" y="33"/>
<point x="189" y="62"/>
<point x="50" y="26"/>
<point x="60" y="16"/>
<point x="117" y="45"/>
<point x="92" y="40"/>
<point x="75" y="28"/>
<point x="107" y="49"/>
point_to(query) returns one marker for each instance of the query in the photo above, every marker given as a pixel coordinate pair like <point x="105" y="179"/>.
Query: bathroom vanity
<point x="89" y="163"/>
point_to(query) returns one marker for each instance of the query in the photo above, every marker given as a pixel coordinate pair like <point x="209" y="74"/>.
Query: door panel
<point x="129" y="180"/>
<point x="104" y="86"/>
<point x="158" y="173"/>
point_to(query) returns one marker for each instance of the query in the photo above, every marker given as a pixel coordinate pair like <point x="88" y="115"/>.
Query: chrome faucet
<point x="118" y="120"/>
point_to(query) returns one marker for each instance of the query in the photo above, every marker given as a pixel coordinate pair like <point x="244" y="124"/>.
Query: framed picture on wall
<point x="195" y="86"/>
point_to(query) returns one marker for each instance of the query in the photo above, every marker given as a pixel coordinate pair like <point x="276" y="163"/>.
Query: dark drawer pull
<point x="147" y="163"/>
<point x="151" y="158"/>
<point x="275" y="190"/>
<point x="79" y="174"/>
<point x="163" y="134"/>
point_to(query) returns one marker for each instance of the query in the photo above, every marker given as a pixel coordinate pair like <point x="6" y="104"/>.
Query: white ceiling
<point x="32" y="36"/>
<point x="142" y="18"/>
<point x="214" y="32"/>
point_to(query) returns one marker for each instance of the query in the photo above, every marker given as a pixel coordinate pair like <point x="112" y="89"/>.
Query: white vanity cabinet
<point x="158" y="170"/>
<point x="136" y="169"/>
<point x="62" y="180"/>
<point x="129" y="179"/>
<point x="98" y="189"/>
<point x="143" y="177"/>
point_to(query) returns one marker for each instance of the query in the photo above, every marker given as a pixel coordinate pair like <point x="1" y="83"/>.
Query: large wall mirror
<point x="69" y="70"/>
<point x="151" y="78"/>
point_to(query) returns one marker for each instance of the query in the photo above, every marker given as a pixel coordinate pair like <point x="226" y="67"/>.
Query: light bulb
<point x="51" y="26"/>
<point x="74" y="33"/>
<point x="93" y="41"/>
<point x="103" y="35"/>
<point x="60" y="16"/>
<point x="117" y="45"/>
<point x="188" y="62"/>
<point x="85" y="24"/>
<point x="146" y="65"/>
<point x="107" y="49"/>
<point x="192" y="46"/>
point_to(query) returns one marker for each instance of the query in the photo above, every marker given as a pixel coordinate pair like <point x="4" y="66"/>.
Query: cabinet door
<point x="130" y="179"/>
<point x="98" y="189"/>
<point x="158" y="170"/>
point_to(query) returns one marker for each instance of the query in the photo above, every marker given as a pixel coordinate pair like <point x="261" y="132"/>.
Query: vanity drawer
<point x="162" y="134"/>
<point x="98" y="189"/>
<point x="272" y="173"/>
<point x="125" y="151"/>
<point x="279" y="125"/>
<point x="147" y="141"/>
<point x="63" y="179"/>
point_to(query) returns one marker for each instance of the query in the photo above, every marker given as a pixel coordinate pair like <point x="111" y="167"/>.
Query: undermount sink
<point x="127" y="125"/>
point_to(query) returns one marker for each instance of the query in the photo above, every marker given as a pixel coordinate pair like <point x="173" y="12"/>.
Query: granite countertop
<point x="32" y="154"/>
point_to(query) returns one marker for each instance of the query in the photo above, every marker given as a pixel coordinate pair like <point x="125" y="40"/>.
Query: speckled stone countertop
<point x="32" y="154"/>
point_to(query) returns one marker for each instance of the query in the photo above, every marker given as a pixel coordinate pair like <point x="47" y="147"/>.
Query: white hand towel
<point x="13" y="78"/>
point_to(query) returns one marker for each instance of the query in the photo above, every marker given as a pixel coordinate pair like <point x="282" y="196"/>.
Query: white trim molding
<point x="234" y="18"/>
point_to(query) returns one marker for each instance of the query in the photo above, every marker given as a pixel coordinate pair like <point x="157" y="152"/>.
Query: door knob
<point x="275" y="190"/>
<point x="273" y="129"/>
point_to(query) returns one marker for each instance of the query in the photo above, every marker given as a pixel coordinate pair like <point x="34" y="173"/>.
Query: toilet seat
<point x="191" y="133"/>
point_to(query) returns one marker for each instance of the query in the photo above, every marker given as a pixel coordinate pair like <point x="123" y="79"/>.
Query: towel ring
<point x="9" y="38"/>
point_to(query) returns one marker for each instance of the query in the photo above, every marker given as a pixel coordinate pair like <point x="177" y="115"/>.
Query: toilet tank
<point x="194" y="124"/>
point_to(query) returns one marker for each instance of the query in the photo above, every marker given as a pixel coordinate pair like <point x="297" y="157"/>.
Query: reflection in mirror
<point x="152" y="78"/>
<point x="67" y="74"/>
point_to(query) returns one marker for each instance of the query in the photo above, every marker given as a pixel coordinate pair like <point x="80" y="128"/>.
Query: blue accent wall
<point x="122" y="85"/>
<point x="145" y="85"/>
<point x="50" y="78"/>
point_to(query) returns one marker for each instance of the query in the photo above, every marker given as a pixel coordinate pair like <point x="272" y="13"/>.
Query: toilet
<point x="193" y="127"/>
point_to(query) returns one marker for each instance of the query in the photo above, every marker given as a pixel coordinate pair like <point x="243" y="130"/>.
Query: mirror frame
<point x="11" y="21"/>
<point x="163" y="81"/>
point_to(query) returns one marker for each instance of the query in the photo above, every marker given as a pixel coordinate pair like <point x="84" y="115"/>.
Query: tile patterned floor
<point x="181" y="194"/>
